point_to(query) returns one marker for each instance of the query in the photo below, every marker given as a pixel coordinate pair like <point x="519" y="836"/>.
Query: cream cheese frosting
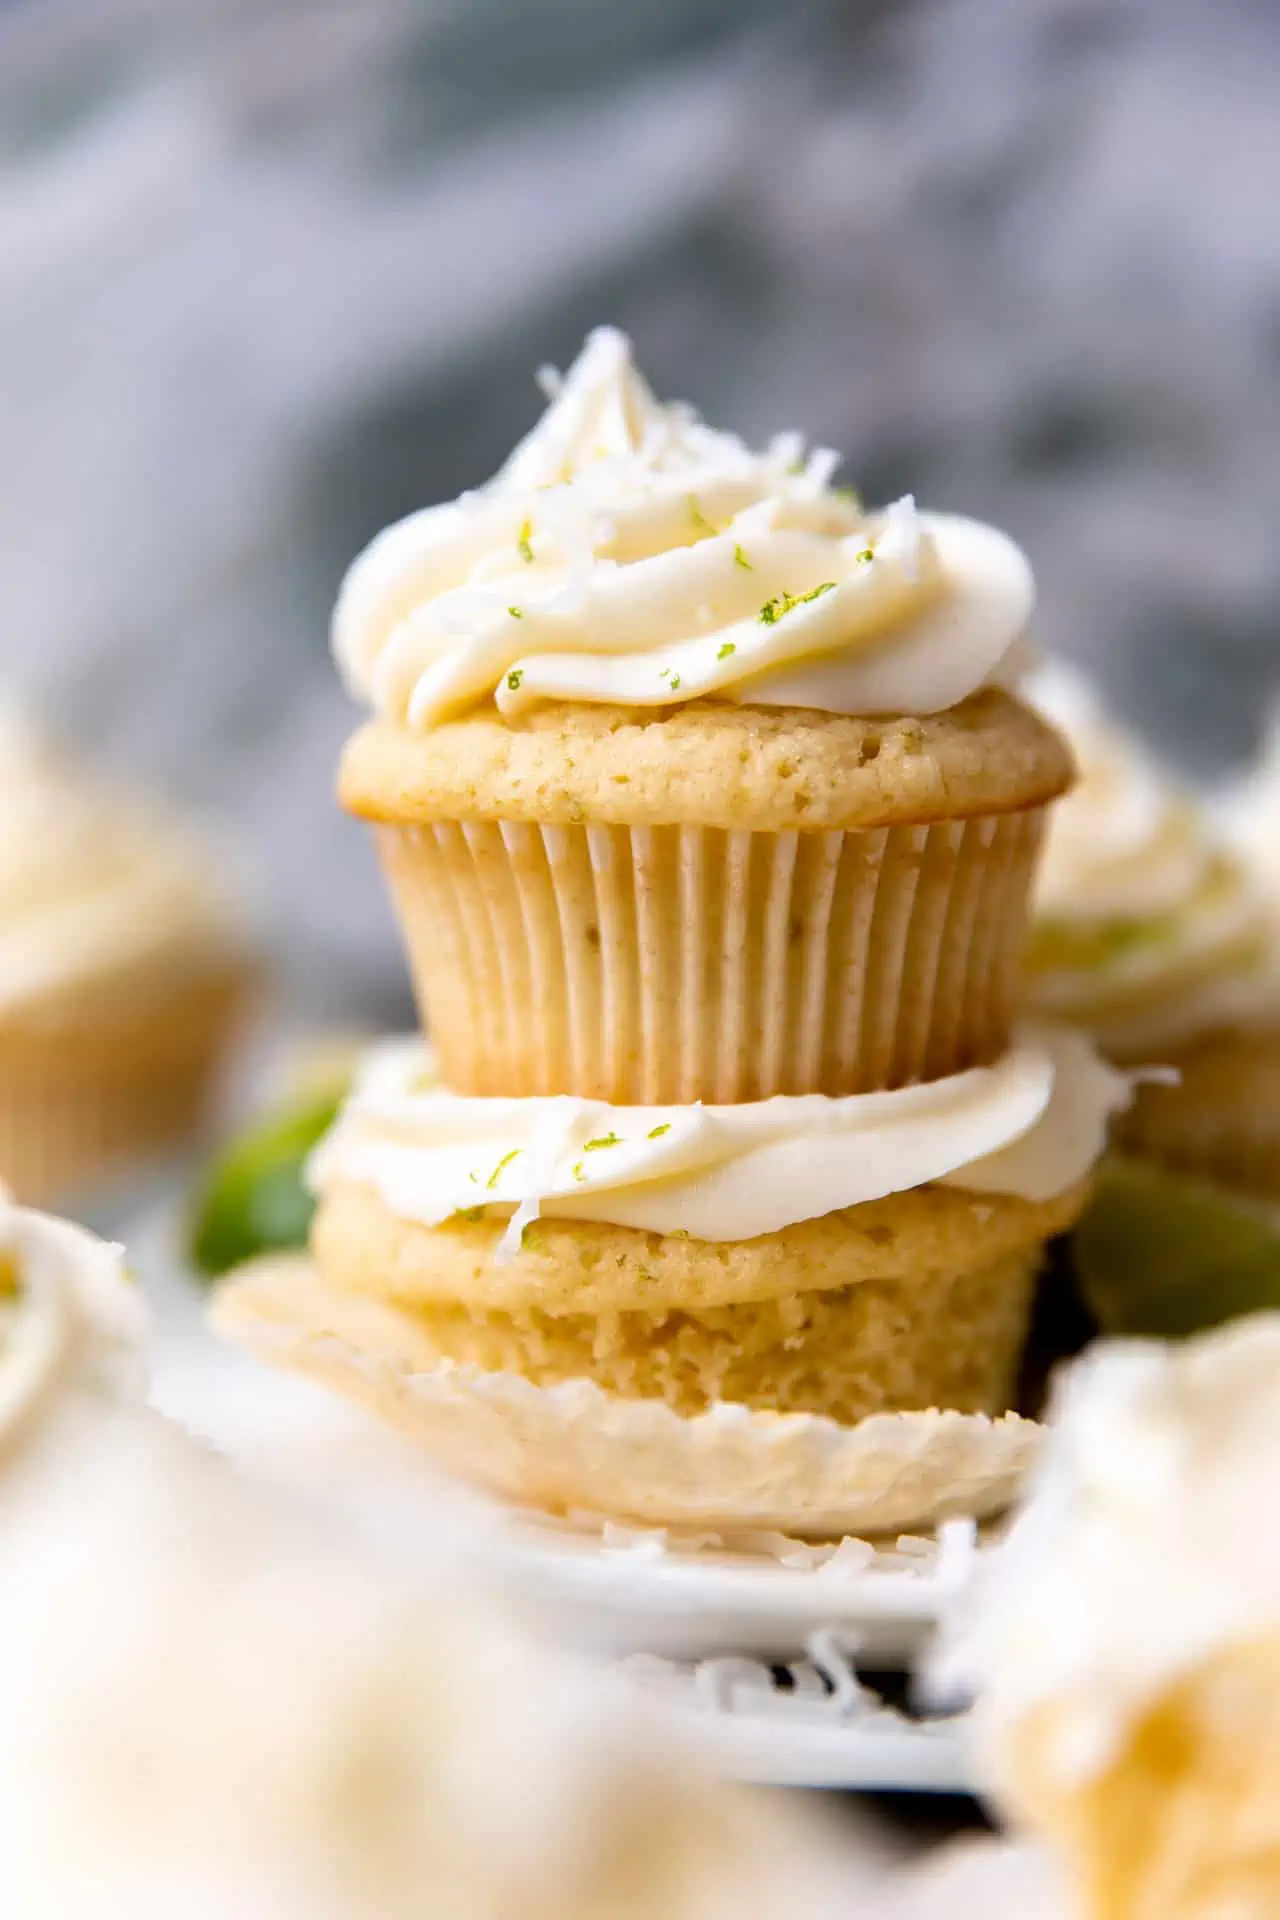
<point x="72" y="1328"/>
<point x="1148" y="931"/>
<point x="89" y="882"/>
<point x="1147" y="1545"/>
<point x="627" y="553"/>
<point x="1031" y="1125"/>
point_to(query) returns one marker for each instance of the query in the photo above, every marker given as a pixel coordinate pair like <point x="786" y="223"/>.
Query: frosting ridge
<point x="1030" y="1125"/>
<point x="627" y="553"/>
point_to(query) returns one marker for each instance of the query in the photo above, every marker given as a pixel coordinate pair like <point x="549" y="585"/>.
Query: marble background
<point x="272" y="273"/>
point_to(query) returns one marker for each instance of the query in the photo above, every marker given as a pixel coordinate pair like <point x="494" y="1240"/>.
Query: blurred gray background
<point x="273" y="273"/>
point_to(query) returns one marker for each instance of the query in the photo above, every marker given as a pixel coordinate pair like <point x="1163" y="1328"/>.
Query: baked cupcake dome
<point x="654" y="820"/>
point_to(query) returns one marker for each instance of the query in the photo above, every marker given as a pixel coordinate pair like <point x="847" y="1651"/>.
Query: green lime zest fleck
<point x="726" y="650"/>
<point x="700" y="520"/>
<point x="579" y="1171"/>
<point x="668" y="674"/>
<point x="517" y="613"/>
<point x="496" y="1175"/>
<point x="783" y="603"/>
<point x="514" y="678"/>
<point x="524" y="545"/>
<point x="740" y="559"/>
<point x="865" y="556"/>
<point x="656" y="1133"/>
<point x="678" y="1233"/>
<point x="605" y="1140"/>
<point x="468" y="1213"/>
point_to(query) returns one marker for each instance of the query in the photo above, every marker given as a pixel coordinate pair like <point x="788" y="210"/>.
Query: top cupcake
<point x="627" y="554"/>
<point x="693" y="778"/>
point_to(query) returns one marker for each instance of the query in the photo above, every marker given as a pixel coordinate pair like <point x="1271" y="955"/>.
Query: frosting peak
<point x="628" y="553"/>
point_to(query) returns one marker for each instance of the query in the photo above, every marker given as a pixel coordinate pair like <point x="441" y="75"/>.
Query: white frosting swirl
<point x="1146" y="1546"/>
<point x="628" y="553"/>
<point x="1031" y="1125"/>
<point x="89" y="882"/>
<point x="1149" y="932"/>
<point x="71" y="1327"/>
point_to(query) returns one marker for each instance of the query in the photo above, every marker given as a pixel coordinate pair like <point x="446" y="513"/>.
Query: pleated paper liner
<point x="1221" y="1121"/>
<point x="573" y="1448"/>
<point x="665" y="964"/>
<point x="91" y="1091"/>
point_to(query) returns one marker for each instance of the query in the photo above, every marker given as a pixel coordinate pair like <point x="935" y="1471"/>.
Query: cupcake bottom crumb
<point x="574" y="1446"/>
<point x="946" y="1339"/>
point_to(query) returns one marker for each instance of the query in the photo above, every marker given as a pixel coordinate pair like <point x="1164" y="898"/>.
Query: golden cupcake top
<point x="91" y="882"/>
<point x="1030" y="1125"/>
<point x="1148" y="929"/>
<point x="629" y="555"/>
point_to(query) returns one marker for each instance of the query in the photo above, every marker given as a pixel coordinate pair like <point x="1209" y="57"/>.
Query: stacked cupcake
<point x="711" y="822"/>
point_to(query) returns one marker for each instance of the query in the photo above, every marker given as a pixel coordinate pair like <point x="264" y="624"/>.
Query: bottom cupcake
<point x="805" y="1312"/>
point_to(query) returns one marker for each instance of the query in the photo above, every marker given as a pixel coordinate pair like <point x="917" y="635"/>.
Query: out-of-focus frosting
<point x="1148" y="931"/>
<point x="627" y="553"/>
<point x="214" y="1706"/>
<point x="88" y="882"/>
<point x="1147" y="1544"/>
<point x="1031" y="1125"/>
<point x="72" y="1328"/>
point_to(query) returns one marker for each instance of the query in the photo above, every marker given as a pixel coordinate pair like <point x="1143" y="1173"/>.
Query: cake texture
<point x="719" y="768"/>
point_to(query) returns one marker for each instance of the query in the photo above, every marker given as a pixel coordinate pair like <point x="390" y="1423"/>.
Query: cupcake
<point x="693" y="779"/>
<point x="711" y="820"/>
<point x="214" y="1706"/>
<point x="1126" y="1639"/>
<point x="121" y="985"/>
<point x="1151" y="934"/>
<point x="806" y="1312"/>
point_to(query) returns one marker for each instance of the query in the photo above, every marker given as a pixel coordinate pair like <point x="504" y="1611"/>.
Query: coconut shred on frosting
<point x="1031" y="1125"/>
<point x="88" y="882"/>
<point x="1149" y="931"/>
<point x="629" y="554"/>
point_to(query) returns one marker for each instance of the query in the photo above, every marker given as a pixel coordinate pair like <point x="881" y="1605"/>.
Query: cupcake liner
<point x="86" y="1090"/>
<point x="654" y="965"/>
<point x="1221" y="1121"/>
<point x="572" y="1448"/>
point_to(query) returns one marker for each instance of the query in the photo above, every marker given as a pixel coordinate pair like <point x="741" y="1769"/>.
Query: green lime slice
<point x="1159" y="1254"/>
<point x="252" y="1199"/>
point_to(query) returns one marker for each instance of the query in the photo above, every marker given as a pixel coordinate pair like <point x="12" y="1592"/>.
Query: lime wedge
<point x="252" y="1199"/>
<point x="1156" y="1253"/>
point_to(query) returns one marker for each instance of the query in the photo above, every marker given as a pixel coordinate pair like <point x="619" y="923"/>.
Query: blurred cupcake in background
<point x="1151" y="933"/>
<point x="124" y="974"/>
<point x="1125" y="1639"/>
<point x="1250" y="813"/>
